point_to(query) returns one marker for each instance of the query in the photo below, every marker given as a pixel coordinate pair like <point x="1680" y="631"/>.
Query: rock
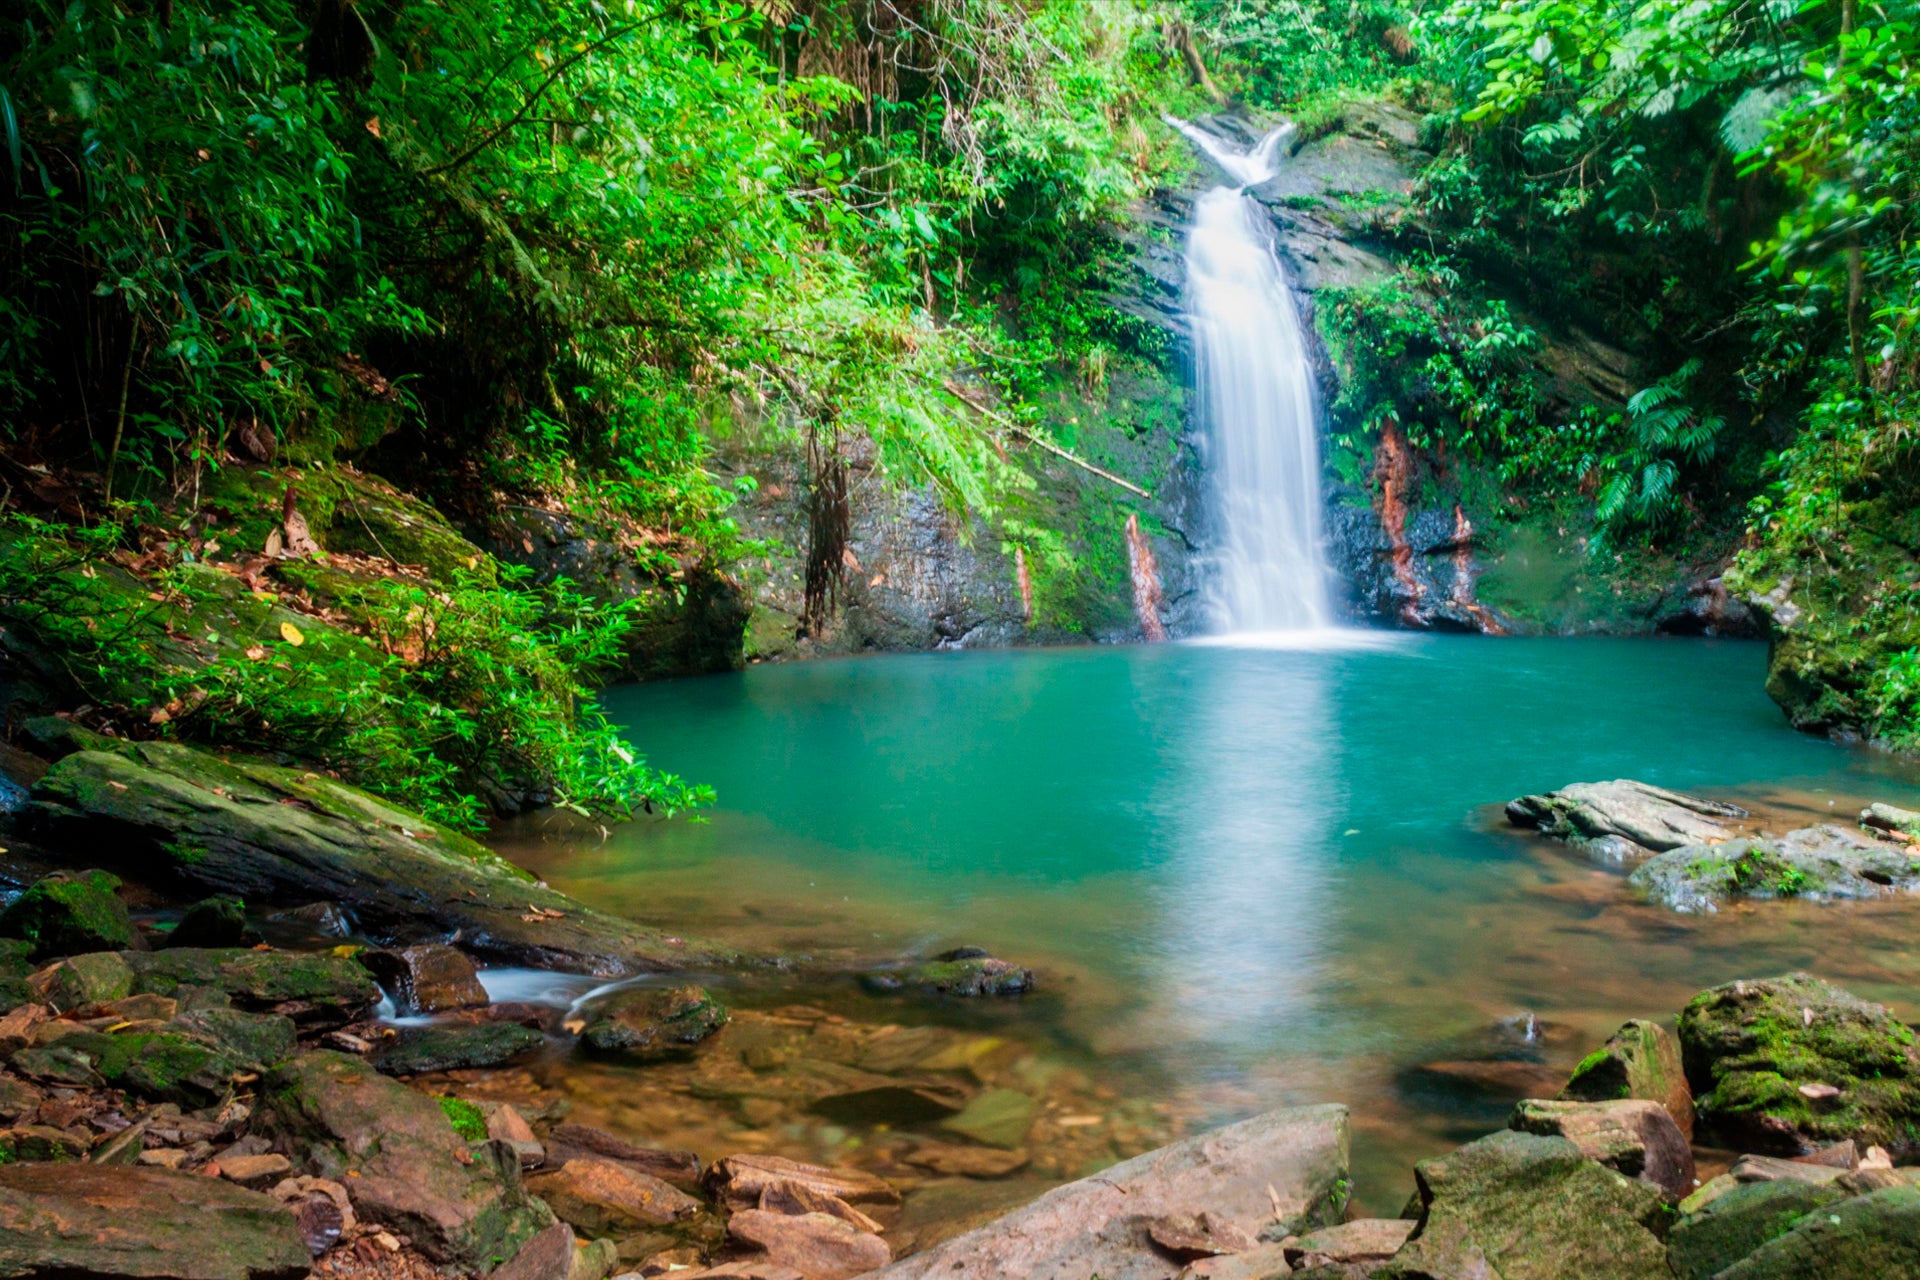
<point x="18" y="1026"/>
<point x="86" y="1220"/>
<point x="273" y="835"/>
<point x="418" y="1050"/>
<point x="315" y="990"/>
<point x="68" y="913"/>
<point x="1821" y="863"/>
<point x="1640" y="1060"/>
<point x="740" y="1181"/>
<point x="747" y="1269"/>
<point x="1262" y="1262"/>
<point x="1734" y="1224"/>
<point x="569" y="1141"/>
<point x="548" y="1256"/>
<point x="1886" y="817"/>
<point x="1631" y="1135"/>
<point x="164" y="1158"/>
<point x="998" y="1117"/>
<point x="794" y="1198"/>
<point x="219" y="921"/>
<point x="898" y="1103"/>
<point x="40" y="1142"/>
<point x="260" y="1040"/>
<point x="1289" y="1166"/>
<point x="1749" y="1046"/>
<point x="594" y="1260"/>
<point x="1870" y="1237"/>
<point x="58" y="1064"/>
<point x="95" y="978"/>
<point x="504" y="1124"/>
<point x="399" y="1157"/>
<point x="254" y="1171"/>
<point x="601" y="1197"/>
<point x="1752" y="1168"/>
<point x="18" y="1098"/>
<point x="1360" y="1241"/>
<point x="966" y="972"/>
<point x="1185" y="1237"/>
<point x="967" y="1162"/>
<point x="1524" y="1207"/>
<point x="817" y="1245"/>
<point x="429" y="978"/>
<point x="321" y="1209"/>
<point x="1647" y="819"/>
<point x="652" y="1022"/>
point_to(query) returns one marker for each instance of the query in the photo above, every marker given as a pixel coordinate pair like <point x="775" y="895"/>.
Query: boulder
<point x="505" y="1124"/>
<point x="569" y="1141"/>
<point x="601" y="1197"/>
<point x="652" y="1022"/>
<point x="418" y="1050"/>
<point x="400" y="1159"/>
<point x="274" y="835"/>
<point x="1630" y="1135"/>
<point x="429" y="978"/>
<point x="316" y="990"/>
<point x="1624" y="820"/>
<point x="194" y="1059"/>
<point x="95" y="978"/>
<point x="1869" y="1237"/>
<point x="965" y="972"/>
<point x="1361" y="1241"/>
<point x="1282" y="1171"/>
<point x="79" y="1220"/>
<point x="1787" y="1065"/>
<point x="817" y="1245"/>
<point x="1738" y="1221"/>
<point x="548" y="1256"/>
<point x="1640" y="1060"/>
<point x="1821" y="863"/>
<point x="219" y="921"/>
<point x="1524" y="1207"/>
<point x="67" y="913"/>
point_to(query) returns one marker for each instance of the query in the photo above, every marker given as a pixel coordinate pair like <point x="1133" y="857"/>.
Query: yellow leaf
<point x="291" y="634"/>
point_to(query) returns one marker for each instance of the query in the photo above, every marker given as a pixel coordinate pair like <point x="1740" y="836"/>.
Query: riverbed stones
<point x="316" y="989"/>
<point x="1640" y="1060"/>
<point x="429" y="978"/>
<point x="70" y="912"/>
<point x="1869" y="1237"/>
<point x="1526" y="1207"/>
<point x="398" y="1155"/>
<point x="648" y="1023"/>
<point x="601" y="1197"/>
<point x="967" y="1162"/>
<point x="569" y="1141"/>
<point x="964" y="973"/>
<point x="1822" y="863"/>
<point x="92" y="1220"/>
<point x="277" y="836"/>
<point x="998" y="1118"/>
<point x="1791" y="1064"/>
<point x="1624" y="820"/>
<point x="1630" y="1135"/>
<point x="418" y="1050"/>
<point x="1278" y="1172"/>
<point x="1738" y="1221"/>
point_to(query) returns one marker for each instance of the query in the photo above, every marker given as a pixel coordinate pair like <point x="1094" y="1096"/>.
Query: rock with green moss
<point x="66" y="1062"/>
<point x="400" y="1158"/>
<point x="283" y="836"/>
<point x="1630" y="1135"/>
<point x="219" y="921"/>
<point x="1791" y="1064"/>
<point x="84" y="1220"/>
<point x="16" y="965"/>
<point x="174" y="1067"/>
<point x="418" y="1050"/>
<point x="1640" y="1060"/>
<point x="652" y="1022"/>
<point x="1824" y="862"/>
<point x="313" y="988"/>
<point x="40" y="1142"/>
<point x="70" y="912"/>
<point x="1624" y="820"/>
<point x="1525" y="1207"/>
<point x="965" y="972"/>
<point x="1740" y="1220"/>
<point x="1870" y="1237"/>
<point x="83" y="980"/>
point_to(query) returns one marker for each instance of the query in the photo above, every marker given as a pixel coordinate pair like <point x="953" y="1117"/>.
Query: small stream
<point x="1247" y="876"/>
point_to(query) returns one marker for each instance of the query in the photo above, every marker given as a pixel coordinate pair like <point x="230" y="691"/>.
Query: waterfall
<point x="1256" y="402"/>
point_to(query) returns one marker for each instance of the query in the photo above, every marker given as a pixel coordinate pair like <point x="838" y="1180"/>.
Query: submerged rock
<point x="1526" y="1207"/>
<point x="652" y="1022"/>
<point x="274" y="835"/>
<point x="1623" y="820"/>
<point x="1631" y="1136"/>
<point x="219" y="921"/>
<point x="67" y="913"/>
<point x="1640" y="1060"/>
<point x="601" y="1197"/>
<point x="1278" y="1172"/>
<point x="1791" y="1064"/>
<point x="78" y="1220"/>
<point x="965" y="972"/>
<point x="570" y="1141"/>
<point x="1815" y="862"/>
<point x="397" y="1154"/>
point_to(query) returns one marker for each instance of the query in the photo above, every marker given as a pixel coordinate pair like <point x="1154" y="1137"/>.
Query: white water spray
<point x="1256" y="399"/>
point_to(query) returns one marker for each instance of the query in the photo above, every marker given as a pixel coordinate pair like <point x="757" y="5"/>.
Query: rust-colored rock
<point x="571" y="1141"/>
<point x="740" y="1180"/>
<point x="1632" y="1135"/>
<point x="601" y="1197"/>
<point x="430" y="978"/>
<point x="817" y="1245"/>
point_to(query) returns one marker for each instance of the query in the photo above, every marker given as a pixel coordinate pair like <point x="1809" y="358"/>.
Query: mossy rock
<point x="1749" y="1048"/>
<point x="1737" y="1222"/>
<point x="194" y="1059"/>
<point x="966" y="972"/>
<point x="316" y="988"/>
<point x="419" y="1050"/>
<point x="219" y="921"/>
<point x="94" y="978"/>
<point x="652" y="1022"/>
<point x="68" y="913"/>
<point x="1640" y="1060"/>
<point x="1870" y="1237"/>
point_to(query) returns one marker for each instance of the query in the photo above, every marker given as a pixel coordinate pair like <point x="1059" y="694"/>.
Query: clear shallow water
<point x="1247" y="876"/>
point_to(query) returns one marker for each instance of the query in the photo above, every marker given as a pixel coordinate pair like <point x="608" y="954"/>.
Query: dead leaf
<point x="256" y="653"/>
<point x="276" y="546"/>
<point x="299" y="538"/>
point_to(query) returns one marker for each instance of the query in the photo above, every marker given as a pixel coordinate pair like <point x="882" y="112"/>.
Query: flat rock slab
<point x="1820" y="863"/>
<point x="1291" y="1163"/>
<point x="1624" y="818"/>
<point x="71" y="1220"/>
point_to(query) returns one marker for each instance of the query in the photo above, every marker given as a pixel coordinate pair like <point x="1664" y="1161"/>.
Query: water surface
<point x="1247" y="877"/>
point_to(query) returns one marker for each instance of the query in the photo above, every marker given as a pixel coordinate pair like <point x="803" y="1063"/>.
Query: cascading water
<point x="1256" y="400"/>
